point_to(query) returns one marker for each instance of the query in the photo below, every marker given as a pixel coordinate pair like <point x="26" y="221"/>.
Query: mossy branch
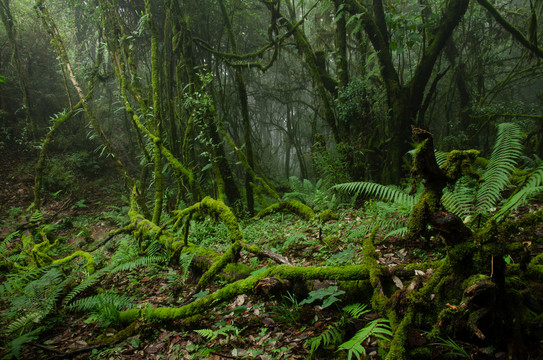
<point x="294" y="206"/>
<point x="83" y="254"/>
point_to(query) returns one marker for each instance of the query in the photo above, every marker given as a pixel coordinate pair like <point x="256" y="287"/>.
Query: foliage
<point x="228" y="330"/>
<point x="32" y="296"/>
<point x="474" y="199"/>
<point x="507" y="149"/>
<point x="103" y="307"/>
<point x="467" y="198"/>
<point x="389" y="216"/>
<point x="379" y="328"/>
<point x="453" y="348"/>
<point x="328" y="296"/>
<point x="315" y="195"/>
<point x="335" y="333"/>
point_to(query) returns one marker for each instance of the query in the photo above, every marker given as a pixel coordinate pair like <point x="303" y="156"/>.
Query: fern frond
<point x="15" y="283"/>
<point x="295" y="196"/>
<point x="142" y="261"/>
<point x="207" y="333"/>
<point x="378" y="328"/>
<point x="331" y="336"/>
<point x="155" y="248"/>
<point x="378" y="191"/>
<point x="16" y="345"/>
<point x="296" y="184"/>
<point x="507" y="149"/>
<point x="441" y="157"/>
<point x="532" y="187"/>
<point x="36" y="216"/>
<point x="356" y="310"/>
<point x="24" y="322"/>
<point x="460" y="200"/>
<point x="7" y="240"/>
<point x="86" y="283"/>
<point x="98" y="302"/>
<point x="402" y="231"/>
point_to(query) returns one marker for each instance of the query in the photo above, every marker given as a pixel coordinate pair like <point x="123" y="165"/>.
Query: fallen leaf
<point x="397" y="282"/>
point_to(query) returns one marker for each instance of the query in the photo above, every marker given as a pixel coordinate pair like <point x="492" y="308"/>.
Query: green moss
<point x="294" y="206"/>
<point x="421" y="353"/>
<point x="535" y="268"/>
<point x="229" y="256"/>
<point x="398" y="343"/>
<point x="84" y="254"/>
<point x="119" y="336"/>
<point x="353" y="272"/>
<point x="459" y="163"/>
<point x="327" y="215"/>
<point x="474" y="279"/>
<point x="236" y="271"/>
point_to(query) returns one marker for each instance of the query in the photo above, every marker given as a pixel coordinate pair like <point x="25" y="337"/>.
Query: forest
<point x="271" y="179"/>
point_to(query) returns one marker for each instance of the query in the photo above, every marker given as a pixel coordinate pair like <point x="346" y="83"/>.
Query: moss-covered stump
<point x="429" y="210"/>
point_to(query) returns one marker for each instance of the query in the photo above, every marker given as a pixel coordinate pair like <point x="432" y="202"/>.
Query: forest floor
<point x="249" y="327"/>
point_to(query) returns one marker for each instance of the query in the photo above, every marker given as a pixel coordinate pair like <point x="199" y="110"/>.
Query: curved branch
<point x="511" y="28"/>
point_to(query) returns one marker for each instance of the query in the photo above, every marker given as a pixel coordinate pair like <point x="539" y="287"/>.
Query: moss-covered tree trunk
<point x="157" y="115"/>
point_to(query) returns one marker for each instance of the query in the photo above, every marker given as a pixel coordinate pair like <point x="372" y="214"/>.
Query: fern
<point x="36" y="217"/>
<point x="334" y="334"/>
<point x="212" y="334"/>
<point x="35" y="301"/>
<point x="15" y="283"/>
<point x="356" y="310"/>
<point x="441" y="157"/>
<point x="87" y="283"/>
<point x="104" y="308"/>
<point x="460" y="200"/>
<point x="507" y="149"/>
<point x="331" y="336"/>
<point x="139" y="262"/>
<point x="377" y="191"/>
<point x="532" y="187"/>
<point x="16" y="345"/>
<point x="6" y="241"/>
<point x="312" y="195"/>
<point x="379" y="328"/>
<point x="100" y="301"/>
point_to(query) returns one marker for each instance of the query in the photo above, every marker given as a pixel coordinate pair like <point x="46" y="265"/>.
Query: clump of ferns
<point x="33" y="297"/>
<point x="474" y="201"/>
<point x="126" y="258"/>
<point x="388" y="206"/>
<point x="316" y="196"/>
<point x="102" y="308"/>
<point x="334" y="336"/>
